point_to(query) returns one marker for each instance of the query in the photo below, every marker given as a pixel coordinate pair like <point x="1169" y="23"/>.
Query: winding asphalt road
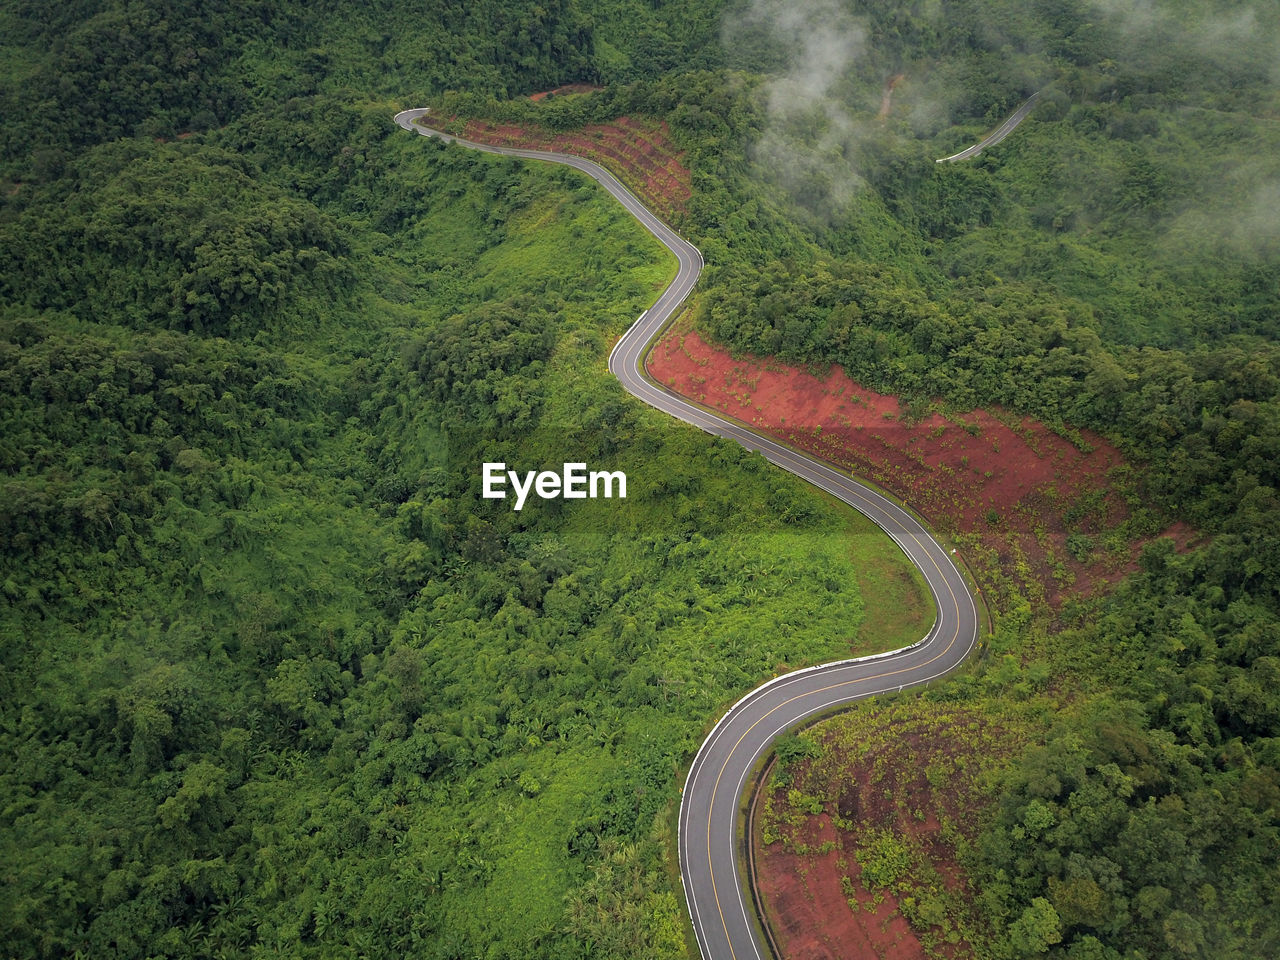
<point x="999" y="133"/>
<point x="710" y="836"/>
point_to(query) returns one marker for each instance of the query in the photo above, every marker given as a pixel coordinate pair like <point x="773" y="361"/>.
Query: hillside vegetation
<point x="277" y="681"/>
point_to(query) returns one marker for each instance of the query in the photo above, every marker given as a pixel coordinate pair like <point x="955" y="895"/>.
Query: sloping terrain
<point x="638" y="151"/>
<point x="1052" y="517"/>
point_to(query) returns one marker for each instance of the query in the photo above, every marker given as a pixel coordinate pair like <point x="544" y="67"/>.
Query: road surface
<point x="996" y="135"/>
<point x="709" y="834"/>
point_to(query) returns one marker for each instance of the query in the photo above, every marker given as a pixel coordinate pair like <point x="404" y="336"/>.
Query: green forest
<point x="275" y="680"/>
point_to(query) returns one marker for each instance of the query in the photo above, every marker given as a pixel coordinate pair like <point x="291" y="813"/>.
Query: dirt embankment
<point x="639" y="152"/>
<point x="886" y="98"/>
<point x="563" y="91"/>
<point x="1033" y="512"/>
<point x="861" y="858"/>
<point x="813" y="916"/>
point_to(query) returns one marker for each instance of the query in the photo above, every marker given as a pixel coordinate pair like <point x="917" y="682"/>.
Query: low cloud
<point x="1236" y="212"/>
<point x="810" y="134"/>
<point x="1242" y="224"/>
<point x="1227" y="33"/>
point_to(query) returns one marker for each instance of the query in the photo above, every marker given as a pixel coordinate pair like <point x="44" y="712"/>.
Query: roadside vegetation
<point x="277" y="681"/>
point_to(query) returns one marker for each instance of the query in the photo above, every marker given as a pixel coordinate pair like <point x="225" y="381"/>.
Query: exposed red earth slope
<point x="876" y="787"/>
<point x="813" y="917"/>
<point x="639" y="152"/>
<point x="561" y="91"/>
<point x="886" y="98"/>
<point x="1032" y="511"/>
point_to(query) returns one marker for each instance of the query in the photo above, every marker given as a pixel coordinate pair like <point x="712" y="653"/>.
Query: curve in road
<point x="999" y="133"/>
<point x="712" y="796"/>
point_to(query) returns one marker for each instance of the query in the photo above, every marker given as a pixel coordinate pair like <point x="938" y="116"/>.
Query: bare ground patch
<point x="638" y="151"/>
<point x="1034" y="513"/>
<point x="860" y="852"/>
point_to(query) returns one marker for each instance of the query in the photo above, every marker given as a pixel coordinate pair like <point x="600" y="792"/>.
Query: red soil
<point x="560" y="91"/>
<point x="811" y="881"/>
<point x="640" y="152"/>
<point x="812" y="917"/>
<point x="886" y="98"/>
<point x="1004" y="486"/>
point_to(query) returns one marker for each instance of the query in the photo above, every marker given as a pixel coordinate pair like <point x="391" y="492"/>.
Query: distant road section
<point x="996" y="135"/>
<point x="709" y="832"/>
